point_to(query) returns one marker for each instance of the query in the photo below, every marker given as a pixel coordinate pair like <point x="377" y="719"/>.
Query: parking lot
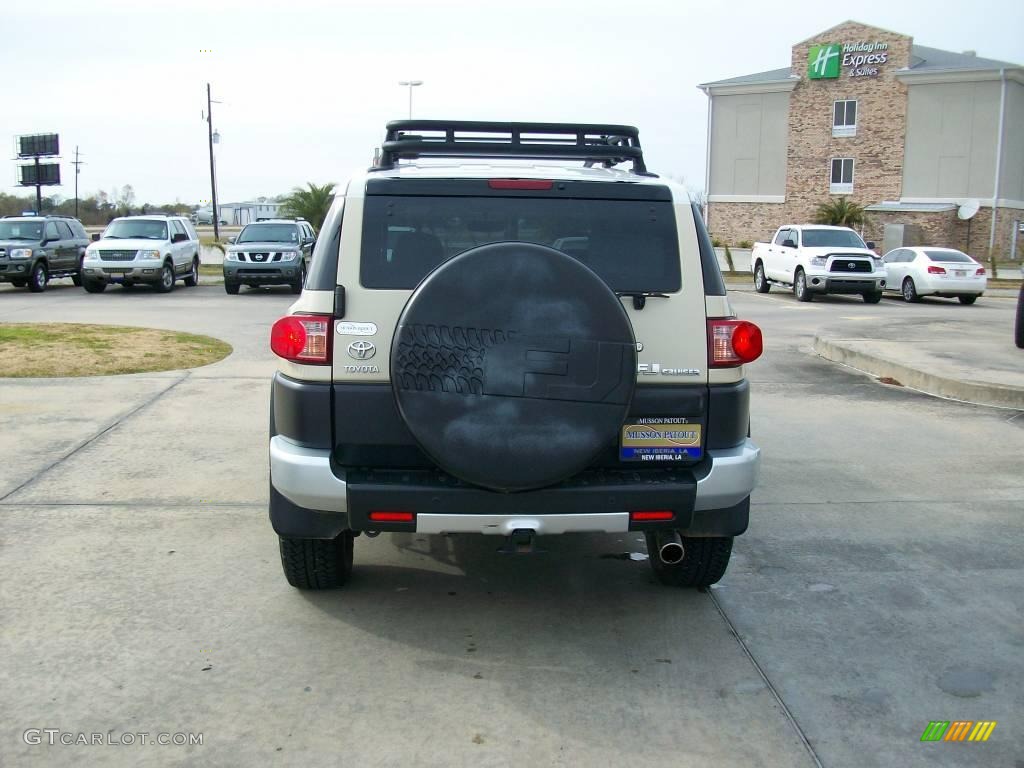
<point x="878" y="586"/>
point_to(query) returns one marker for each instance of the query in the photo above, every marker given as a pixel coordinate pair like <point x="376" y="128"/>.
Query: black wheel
<point x="39" y="278"/>
<point x="1018" y="330"/>
<point x="94" y="286"/>
<point x="761" y="284"/>
<point x="970" y="299"/>
<point x="77" y="277"/>
<point x="166" y="284"/>
<point x="704" y="561"/>
<point x="872" y="298"/>
<point x="297" y="287"/>
<point x="909" y="290"/>
<point x="317" y="563"/>
<point x="193" y="277"/>
<point x="800" y="287"/>
<point x="231" y="288"/>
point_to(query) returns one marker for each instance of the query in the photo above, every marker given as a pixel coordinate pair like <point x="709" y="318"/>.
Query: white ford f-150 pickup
<point x="818" y="259"/>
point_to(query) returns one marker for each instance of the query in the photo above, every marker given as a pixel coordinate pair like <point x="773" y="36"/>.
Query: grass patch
<point x="211" y="270"/>
<point x="37" y="350"/>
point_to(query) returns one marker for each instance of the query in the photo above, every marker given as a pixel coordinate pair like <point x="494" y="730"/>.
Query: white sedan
<point x="925" y="271"/>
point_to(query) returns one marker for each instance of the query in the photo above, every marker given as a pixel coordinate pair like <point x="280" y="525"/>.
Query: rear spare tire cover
<point x="513" y="365"/>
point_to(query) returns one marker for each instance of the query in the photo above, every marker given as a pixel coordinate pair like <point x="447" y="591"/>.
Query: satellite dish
<point x="968" y="209"/>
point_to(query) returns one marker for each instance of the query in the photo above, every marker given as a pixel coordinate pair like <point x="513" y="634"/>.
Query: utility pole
<point x="78" y="170"/>
<point x="213" y="175"/>
<point x="39" y="190"/>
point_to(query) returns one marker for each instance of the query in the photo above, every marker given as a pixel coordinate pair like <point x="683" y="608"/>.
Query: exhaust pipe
<point x="670" y="547"/>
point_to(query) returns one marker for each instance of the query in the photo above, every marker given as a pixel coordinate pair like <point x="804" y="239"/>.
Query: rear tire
<point x="193" y="278"/>
<point x="909" y="290"/>
<point x="231" y="288"/>
<point x="704" y="562"/>
<point x="761" y="284"/>
<point x="77" y="277"/>
<point x="94" y="286"/>
<point x="39" y="278"/>
<point x="800" y="287"/>
<point x="166" y="283"/>
<point x="872" y="298"/>
<point x="317" y="563"/>
<point x="967" y="299"/>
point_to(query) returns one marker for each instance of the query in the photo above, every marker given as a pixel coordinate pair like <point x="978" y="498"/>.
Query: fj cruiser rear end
<point x="514" y="348"/>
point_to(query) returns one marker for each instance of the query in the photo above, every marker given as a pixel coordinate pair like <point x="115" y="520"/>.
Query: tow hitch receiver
<point x="521" y="542"/>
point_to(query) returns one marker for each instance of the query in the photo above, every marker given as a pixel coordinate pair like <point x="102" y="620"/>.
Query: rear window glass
<point x="631" y="244"/>
<point x="949" y="256"/>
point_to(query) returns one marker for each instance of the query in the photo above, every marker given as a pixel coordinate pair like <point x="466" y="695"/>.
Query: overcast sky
<point x="308" y="86"/>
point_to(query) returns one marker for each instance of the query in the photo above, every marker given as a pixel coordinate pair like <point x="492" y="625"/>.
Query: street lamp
<point x="411" y="84"/>
<point x="214" y="139"/>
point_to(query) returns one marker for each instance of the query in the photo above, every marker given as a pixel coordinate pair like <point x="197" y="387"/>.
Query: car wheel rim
<point x="195" y="272"/>
<point x="908" y="291"/>
<point x="168" y="277"/>
<point x="800" y="284"/>
<point x="759" y="277"/>
<point x="40" y="277"/>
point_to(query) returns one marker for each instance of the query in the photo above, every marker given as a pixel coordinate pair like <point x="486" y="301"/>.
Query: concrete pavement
<point x="877" y="588"/>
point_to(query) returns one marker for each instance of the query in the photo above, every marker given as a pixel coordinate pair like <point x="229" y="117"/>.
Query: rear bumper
<point x="952" y="287"/>
<point x="311" y="498"/>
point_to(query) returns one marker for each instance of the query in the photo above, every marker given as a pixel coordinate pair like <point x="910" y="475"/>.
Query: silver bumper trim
<point x="731" y="478"/>
<point x="304" y="476"/>
<point x="504" y="525"/>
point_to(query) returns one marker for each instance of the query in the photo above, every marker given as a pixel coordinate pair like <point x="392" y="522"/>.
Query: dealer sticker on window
<point x="660" y="439"/>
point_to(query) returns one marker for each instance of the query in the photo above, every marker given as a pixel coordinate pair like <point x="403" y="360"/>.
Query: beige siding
<point x="1011" y="179"/>
<point x="748" y="144"/>
<point x="951" y="140"/>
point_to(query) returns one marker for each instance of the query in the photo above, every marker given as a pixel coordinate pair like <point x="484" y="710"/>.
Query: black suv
<point x="36" y="249"/>
<point x="269" y="252"/>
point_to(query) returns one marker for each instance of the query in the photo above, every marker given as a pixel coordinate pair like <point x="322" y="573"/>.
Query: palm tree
<point x="840" y="213"/>
<point x="310" y="204"/>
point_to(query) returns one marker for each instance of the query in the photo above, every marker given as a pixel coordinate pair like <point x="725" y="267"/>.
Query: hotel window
<point x="841" y="180"/>
<point x="844" y="118"/>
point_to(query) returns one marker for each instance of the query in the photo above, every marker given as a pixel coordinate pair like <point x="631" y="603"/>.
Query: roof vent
<point x="970" y="53"/>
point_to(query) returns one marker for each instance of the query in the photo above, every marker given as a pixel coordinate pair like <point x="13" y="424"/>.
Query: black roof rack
<point x="594" y="143"/>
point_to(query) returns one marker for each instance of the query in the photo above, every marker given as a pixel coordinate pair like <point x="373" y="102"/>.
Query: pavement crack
<point x="764" y="677"/>
<point x="89" y="441"/>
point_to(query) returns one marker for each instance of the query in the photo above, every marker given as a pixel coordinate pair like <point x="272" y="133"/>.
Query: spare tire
<point x="513" y="365"/>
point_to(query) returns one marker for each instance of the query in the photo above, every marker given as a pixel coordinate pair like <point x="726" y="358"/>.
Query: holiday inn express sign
<point x="825" y="62"/>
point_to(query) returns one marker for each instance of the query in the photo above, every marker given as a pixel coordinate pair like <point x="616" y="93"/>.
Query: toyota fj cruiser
<point x="514" y="348"/>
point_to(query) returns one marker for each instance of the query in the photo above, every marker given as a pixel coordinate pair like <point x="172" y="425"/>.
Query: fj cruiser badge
<point x="348" y="328"/>
<point x="361" y="350"/>
<point x="656" y="369"/>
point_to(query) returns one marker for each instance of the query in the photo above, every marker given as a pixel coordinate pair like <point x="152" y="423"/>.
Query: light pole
<point x="411" y="84"/>
<point x="214" y="138"/>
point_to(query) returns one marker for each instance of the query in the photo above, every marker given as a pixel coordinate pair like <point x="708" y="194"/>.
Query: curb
<point x="997" y="395"/>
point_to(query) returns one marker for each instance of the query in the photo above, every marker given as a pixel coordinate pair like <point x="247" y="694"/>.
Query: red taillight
<point x="649" y="515"/>
<point x="302" y="338"/>
<point x="981" y="271"/>
<point x="391" y="517"/>
<point x="733" y="342"/>
<point x="520" y="184"/>
<point x="933" y="270"/>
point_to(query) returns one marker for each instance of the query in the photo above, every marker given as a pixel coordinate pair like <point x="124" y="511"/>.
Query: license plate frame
<point x="661" y="439"/>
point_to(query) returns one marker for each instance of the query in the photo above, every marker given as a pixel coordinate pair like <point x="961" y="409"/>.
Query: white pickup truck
<point x="818" y="259"/>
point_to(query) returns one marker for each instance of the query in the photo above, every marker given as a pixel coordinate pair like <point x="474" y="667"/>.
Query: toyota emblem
<point x="850" y="265"/>
<point x="361" y="350"/>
